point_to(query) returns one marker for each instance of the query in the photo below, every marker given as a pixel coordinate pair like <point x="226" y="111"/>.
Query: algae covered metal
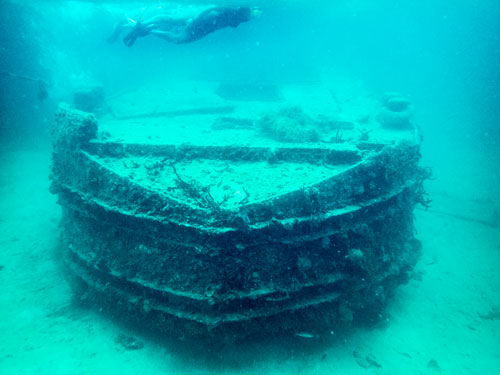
<point x="230" y="217"/>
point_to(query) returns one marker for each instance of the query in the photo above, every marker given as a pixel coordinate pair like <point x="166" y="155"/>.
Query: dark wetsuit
<point x="212" y="20"/>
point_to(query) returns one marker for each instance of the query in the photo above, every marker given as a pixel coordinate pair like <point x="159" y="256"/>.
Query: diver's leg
<point x="138" y="31"/>
<point x="177" y="38"/>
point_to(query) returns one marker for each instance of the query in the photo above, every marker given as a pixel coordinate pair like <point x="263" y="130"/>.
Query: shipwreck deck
<point x="220" y="213"/>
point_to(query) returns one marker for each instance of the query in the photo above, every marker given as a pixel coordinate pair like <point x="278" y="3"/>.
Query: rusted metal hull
<point x="317" y="258"/>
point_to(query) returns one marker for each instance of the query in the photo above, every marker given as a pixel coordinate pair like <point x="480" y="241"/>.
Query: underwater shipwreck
<point x="229" y="211"/>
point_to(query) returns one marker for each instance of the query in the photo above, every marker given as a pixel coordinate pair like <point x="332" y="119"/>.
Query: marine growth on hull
<point x="233" y="210"/>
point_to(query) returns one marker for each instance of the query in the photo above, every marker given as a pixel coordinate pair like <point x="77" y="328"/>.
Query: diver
<point x="184" y="30"/>
<point x="42" y="93"/>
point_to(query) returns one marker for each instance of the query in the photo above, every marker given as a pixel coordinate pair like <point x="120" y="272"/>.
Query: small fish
<point x="404" y="354"/>
<point x="306" y="335"/>
<point x="366" y="361"/>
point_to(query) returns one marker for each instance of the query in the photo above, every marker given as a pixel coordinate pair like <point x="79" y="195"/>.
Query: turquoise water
<point x="444" y="56"/>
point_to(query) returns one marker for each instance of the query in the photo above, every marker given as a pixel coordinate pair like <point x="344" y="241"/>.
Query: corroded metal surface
<point x="233" y="240"/>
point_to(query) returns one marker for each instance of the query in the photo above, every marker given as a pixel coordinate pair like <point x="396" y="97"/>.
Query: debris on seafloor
<point x="129" y="342"/>
<point x="366" y="361"/>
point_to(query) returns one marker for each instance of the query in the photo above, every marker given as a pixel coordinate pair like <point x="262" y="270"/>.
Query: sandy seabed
<point x="446" y="320"/>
